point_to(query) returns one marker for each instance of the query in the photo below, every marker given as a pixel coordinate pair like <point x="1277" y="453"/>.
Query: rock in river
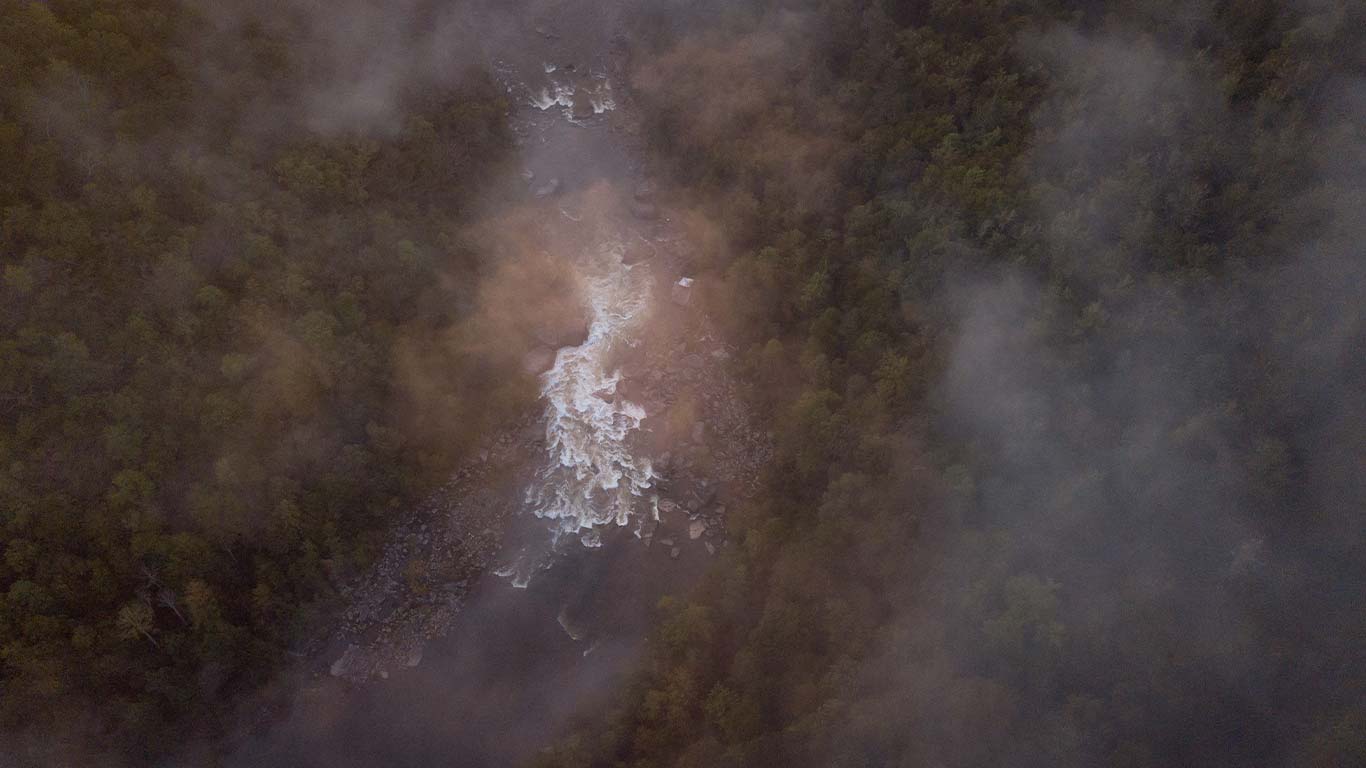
<point x="682" y="291"/>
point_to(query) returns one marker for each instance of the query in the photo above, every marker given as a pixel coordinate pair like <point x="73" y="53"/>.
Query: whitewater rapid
<point x="562" y="92"/>
<point x="591" y="478"/>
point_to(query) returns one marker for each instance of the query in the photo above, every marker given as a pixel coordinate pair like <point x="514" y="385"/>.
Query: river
<point x="554" y="623"/>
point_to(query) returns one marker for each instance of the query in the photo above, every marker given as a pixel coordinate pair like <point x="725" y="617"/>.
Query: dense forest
<point x="203" y="421"/>
<point x="1056" y="309"/>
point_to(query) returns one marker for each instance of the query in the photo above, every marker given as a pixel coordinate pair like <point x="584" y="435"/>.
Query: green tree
<point x="135" y="620"/>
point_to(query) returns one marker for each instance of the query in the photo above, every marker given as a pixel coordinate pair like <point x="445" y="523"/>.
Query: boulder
<point x="682" y="291"/>
<point x="647" y="528"/>
<point x="340" y="666"/>
<point x="583" y="107"/>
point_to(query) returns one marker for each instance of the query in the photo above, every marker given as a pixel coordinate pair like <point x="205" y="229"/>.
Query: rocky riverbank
<point x="414" y="591"/>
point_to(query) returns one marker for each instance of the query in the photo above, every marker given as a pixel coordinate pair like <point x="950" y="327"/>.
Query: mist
<point x="573" y="383"/>
<point x="1124" y="482"/>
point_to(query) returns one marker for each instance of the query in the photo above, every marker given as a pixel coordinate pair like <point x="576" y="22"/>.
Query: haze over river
<point x="564" y="622"/>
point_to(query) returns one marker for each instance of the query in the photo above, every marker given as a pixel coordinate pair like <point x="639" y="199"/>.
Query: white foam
<point x="601" y="97"/>
<point x="556" y="94"/>
<point x="591" y="480"/>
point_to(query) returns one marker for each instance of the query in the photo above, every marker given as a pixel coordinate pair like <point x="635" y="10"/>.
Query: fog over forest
<point x="682" y="383"/>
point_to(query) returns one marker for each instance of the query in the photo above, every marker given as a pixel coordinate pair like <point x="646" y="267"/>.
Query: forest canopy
<point x="1053" y="310"/>
<point x="204" y="425"/>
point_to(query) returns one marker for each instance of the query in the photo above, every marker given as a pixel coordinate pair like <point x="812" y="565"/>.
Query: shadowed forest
<point x="1054" y="311"/>
<point x="221" y="304"/>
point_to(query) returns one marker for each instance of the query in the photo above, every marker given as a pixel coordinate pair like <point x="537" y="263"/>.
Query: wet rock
<point x="682" y="291"/>
<point x="575" y="632"/>
<point x="674" y="553"/>
<point x="341" y="666"/>
<point x="547" y="189"/>
<point x="696" y="528"/>
<point x="647" y="528"/>
<point x="583" y="108"/>
<point x="711" y="550"/>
